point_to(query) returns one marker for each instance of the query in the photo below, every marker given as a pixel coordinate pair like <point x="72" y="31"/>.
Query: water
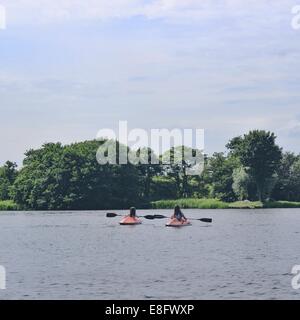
<point x="243" y="254"/>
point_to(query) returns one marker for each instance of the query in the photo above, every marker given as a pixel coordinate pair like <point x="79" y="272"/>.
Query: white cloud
<point x="44" y="11"/>
<point x="34" y="11"/>
<point x="231" y="68"/>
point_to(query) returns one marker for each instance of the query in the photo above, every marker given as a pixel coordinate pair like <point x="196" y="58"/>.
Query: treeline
<point x="65" y="177"/>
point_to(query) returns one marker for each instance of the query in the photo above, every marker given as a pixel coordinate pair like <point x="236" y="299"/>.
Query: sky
<point x="69" y="68"/>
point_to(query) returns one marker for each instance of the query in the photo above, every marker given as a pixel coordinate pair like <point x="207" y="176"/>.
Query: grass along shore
<point x="8" y="205"/>
<point x="192" y="203"/>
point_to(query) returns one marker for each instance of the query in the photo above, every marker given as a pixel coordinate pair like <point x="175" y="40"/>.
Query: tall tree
<point x="260" y="156"/>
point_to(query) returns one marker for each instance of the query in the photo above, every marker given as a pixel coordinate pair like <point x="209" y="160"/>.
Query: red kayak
<point x="176" y="223"/>
<point x="130" y="221"/>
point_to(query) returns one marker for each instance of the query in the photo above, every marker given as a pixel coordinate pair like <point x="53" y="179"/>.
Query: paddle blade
<point x="209" y="220"/>
<point x="111" y="215"/>
<point x="159" y="216"/>
<point x="150" y="217"/>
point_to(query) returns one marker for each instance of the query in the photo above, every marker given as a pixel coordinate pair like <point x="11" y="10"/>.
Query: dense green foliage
<point x="288" y="178"/>
<point x="241" y="182"/>
<point x="8" y="174"/>
<point x="220" y="176"/>
<point x="63" y="177"/>
<point x="58" y="177"/>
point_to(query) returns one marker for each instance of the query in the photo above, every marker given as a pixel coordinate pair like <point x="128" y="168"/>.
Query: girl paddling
<point x="178" y="219"/>
<point x="178" y="214"/>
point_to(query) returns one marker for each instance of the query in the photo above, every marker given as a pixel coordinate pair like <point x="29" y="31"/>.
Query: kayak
<point x="176" y="223"/>
<point x="130" y="221"/>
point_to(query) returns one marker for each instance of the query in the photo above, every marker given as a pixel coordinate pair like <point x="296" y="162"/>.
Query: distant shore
<point x="191" y="203"/>
<point x="218" y="204"/>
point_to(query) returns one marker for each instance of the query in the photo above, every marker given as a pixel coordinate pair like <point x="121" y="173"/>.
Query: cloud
<point x="224" y="65"/>
<point x="47" y="11"/>
<point x="292" y="127"/>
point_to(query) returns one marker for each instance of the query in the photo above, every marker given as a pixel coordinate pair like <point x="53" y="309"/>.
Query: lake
<point x="243" y="254"/>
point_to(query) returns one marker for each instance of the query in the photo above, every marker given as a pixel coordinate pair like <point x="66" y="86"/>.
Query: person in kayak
<point x="131" y="219"/>
<point x="178" y="214"/>
<point x="132" y="212"/>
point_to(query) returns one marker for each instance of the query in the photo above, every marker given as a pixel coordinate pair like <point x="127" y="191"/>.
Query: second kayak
<point x="130" y="221"/>
<point x="176" y="223"/>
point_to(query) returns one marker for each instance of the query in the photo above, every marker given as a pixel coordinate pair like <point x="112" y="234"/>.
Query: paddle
<point x="209" y="220"/>
<point x="159" y="216"/>
<point x="113" y="215"/>
<point x="154" y="216"/>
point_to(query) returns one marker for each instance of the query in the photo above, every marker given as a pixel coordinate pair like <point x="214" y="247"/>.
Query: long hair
<point x="177" y="210"/>
<point x="132" y="211"/>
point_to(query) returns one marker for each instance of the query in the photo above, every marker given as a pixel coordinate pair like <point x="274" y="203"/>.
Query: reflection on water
<point x="84" y="255"/>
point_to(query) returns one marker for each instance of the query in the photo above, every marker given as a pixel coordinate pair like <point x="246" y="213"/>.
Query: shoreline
<point x="189" y="203"/>
<point x="218" y="204"/>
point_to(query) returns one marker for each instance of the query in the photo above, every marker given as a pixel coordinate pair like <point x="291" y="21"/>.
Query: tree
<point x="8" y="174"/>
<point x="58" y="177"/>
<point x="149" y="167"/>
<point x="241" y="181"/>
<point x="181" y="163"/>
<point x="201" y="184"/>
<point x="162" y="187"/>
<point x="288" y="181"/>
<point x="296" y="179"/>
<point x="260" y="156"/>
<point x="221" y="169"/>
